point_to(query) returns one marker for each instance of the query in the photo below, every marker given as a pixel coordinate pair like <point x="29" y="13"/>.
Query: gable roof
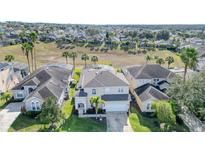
<point x="49" y="80"/>
<point x="102" y="78"/>
<point x="2" y="65"/>
<point x="148" y="91"/>
<point x="150" y="71"/>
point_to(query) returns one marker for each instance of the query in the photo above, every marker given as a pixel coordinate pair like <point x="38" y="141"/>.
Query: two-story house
<point x="149" y="83"/>
<point x="48" y="81"/>
<point x="110" y="85"/>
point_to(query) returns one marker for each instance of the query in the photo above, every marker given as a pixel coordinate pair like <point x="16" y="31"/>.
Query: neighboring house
<point x="148" y="94"/>
<point x="11" y="74"/>
<point x="48" y="81"/>
<point x="180" y="72"/>
<point x="149" y="83"/>
<point x="140" y="75"/>
<point x="111" y="86"/>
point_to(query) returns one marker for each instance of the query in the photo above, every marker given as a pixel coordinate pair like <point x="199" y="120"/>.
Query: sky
<point x="104" y="11"/>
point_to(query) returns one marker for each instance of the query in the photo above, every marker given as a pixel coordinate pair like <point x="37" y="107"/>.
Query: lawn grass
<point x="2" y="103"/>
<point x="135" y="123"/>
<point x="141" y="123"/>
<point x="27" y="124"/>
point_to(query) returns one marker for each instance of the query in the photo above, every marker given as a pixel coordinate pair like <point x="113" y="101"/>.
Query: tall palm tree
<point x="26" y="48"/>
<point x="85" y="57"/>
<point x="94" y="59"/>
<point x="9" y="58"/>
<point x="31" y="46"/>
<point x="169" y="60"/>
<point x="34" y="36"/>
<point x="189" y="57"/>
<point x="97" y="101"/>
<point x="148" y="58"/>
<point x="160" y="61"/>
<point x="73" y="55"/>
<point x="66" y="55"/>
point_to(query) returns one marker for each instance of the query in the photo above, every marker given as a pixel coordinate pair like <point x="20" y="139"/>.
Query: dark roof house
<point x="48" y="81"/>
<point x="149" y="71"/>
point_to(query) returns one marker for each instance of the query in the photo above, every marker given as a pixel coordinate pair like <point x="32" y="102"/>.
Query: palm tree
<point x="189" y="57"/>
<point x="31" y="47"/>
<point x="94" y="59"/>
<point x="169" y="60"/>
<point x="34" y="36"/>
<point x="73" y="55"/>
<point x="97" y="101"/>
<point x="160" y="61"/>
<point x="148" y="58"/>
<point x="85" y="57"/>
<point x="9" y="58"/>
<point x="26" y="48"/>
<point x="6" y="96"/>
<point x="66" y="55"/>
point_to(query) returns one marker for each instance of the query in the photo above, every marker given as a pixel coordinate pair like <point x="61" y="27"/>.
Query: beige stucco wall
<point x="28" y="103"/>
<point x="8" y="79"/>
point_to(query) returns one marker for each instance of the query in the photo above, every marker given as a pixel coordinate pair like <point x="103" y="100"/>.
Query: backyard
<point x="142" y="122"/>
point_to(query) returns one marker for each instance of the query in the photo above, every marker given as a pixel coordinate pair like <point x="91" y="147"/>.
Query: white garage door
<point x="116" y="106"/>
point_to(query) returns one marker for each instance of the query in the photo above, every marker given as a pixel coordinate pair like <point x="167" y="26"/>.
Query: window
<point x="33" y="106"/>
<point x="155" y="80"/>
<point x="38" y="105"/>
<point x="148" y="106"/>
<point x="120" y="90"/>
<point x="19" y="95"/>
<point x="93" y="91"/>
<point x="30" y="90"/>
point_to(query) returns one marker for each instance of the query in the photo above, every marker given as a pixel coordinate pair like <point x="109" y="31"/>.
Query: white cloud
<point x="104" y="11"/>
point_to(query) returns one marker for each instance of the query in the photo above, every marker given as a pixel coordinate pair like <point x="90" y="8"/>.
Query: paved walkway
<point x="117" y="122"/>
<point x="8" y="115"/>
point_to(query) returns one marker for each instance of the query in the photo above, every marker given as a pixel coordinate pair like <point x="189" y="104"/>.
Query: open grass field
<point x="49" y="53"/>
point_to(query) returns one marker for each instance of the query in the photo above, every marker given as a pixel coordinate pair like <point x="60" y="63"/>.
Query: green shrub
<point x="135" y="123"/>
<point x="32" y="114"/>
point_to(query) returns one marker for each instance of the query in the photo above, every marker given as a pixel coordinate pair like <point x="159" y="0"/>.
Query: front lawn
<point x="144" y="123"/>
<point x="27" y="124"/>
<point x="141" y="123"/>
<point x="72" y="123"/>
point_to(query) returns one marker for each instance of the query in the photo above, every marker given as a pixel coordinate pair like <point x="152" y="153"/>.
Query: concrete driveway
<point x="118" y="122"/>
<point x="8" y="115"/>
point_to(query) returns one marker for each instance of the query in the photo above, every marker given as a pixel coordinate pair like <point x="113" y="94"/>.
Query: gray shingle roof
<point x="81" y="93"/>
<point x="2" y="65"/>
<point x="115" y="97"/>
<point x="150" y="71"/>
<point x="50" y="81"/>
<point x="148" y="91"/>
<point x="101" y="78"/>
